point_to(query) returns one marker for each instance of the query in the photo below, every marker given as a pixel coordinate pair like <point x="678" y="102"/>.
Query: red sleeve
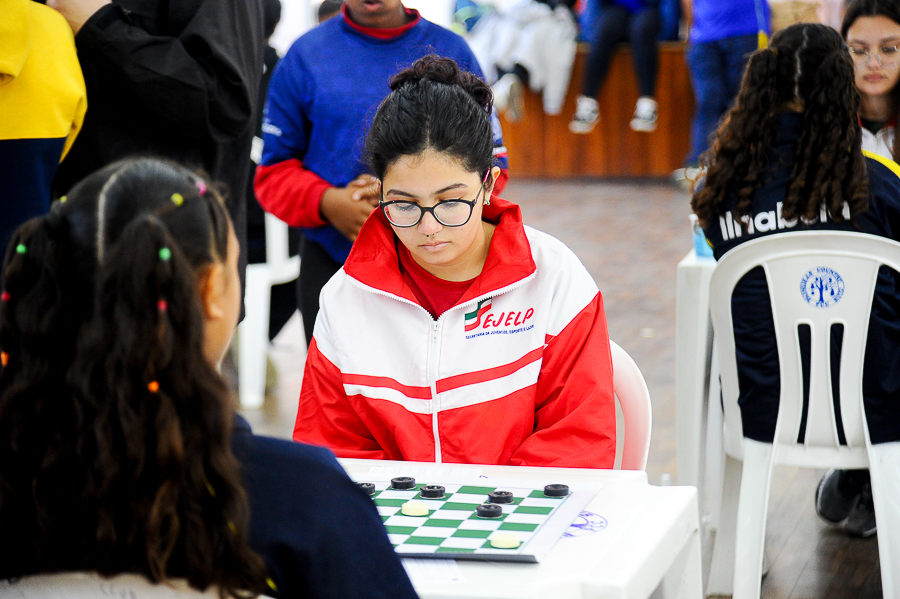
<point x="291" y="193"/>
<point x="575" y="417"/>
<point x="325" y="417"/>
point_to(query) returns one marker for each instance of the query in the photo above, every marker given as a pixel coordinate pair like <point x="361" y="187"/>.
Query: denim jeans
<point x="616" y="25"/>
<point x="716" y="69"/>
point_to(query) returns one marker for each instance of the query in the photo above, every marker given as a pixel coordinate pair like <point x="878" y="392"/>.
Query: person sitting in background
<point x="120" y="452"/>
<point x="791" y="146"/>
<point x="532" y="44"/>
<point x="635" y="21"/>
<point x="454" y="333"/>
<point x="872" y="30"/>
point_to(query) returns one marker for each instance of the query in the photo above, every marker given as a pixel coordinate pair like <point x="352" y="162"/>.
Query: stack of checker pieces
<point x="454" y="529"/>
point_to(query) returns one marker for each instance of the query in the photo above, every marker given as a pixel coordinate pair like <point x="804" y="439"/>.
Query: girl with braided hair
<point x="454" y="333"/>
<point x="119" y="449"/>
<point x="788" y="157"/>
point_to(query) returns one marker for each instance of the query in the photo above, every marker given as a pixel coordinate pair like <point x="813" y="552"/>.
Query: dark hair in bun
<point x="435" y="106"/>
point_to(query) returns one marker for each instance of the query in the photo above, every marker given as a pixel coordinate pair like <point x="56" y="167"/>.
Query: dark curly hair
<point x="114" y="427"/>
<point x="436" y="106"/>
<point x="807" y="67"/>
<point x="875" y="8"/>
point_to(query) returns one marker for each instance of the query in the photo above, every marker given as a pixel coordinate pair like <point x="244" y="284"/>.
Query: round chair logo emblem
<point x="822" y="287"/>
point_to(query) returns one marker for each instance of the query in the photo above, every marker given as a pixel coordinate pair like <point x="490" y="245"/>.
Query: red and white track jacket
<point x="517" y="372"/>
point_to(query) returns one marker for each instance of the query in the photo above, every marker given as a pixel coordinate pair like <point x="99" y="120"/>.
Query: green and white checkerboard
<point x="452" y="530"/>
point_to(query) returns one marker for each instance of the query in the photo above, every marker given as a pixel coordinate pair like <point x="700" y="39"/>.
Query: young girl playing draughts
<point x="117" y="452"/>
<point x="454" y="332"/>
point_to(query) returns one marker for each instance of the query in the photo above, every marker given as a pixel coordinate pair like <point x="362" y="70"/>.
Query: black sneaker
<point x="861" y="522"/>
<point x="837" y="494"/>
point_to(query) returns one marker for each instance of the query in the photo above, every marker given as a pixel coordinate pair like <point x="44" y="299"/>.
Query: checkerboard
<point x="452" y="530"/>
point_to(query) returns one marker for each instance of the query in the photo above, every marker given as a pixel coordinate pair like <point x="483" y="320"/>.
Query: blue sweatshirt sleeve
<point x="285" y="121"/>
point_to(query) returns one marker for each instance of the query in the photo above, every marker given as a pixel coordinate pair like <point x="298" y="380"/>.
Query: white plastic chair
<point x="789" y="260"/>
<point x="253" y="332"/>
<point x="637" y="414"/>
<point x="90" y="585"/>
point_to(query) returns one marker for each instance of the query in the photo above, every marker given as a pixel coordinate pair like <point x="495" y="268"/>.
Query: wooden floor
<point x="630" y="234"/>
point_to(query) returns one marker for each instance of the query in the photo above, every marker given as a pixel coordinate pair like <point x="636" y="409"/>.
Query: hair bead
<point x="4" y="358"/>
<point x="165" y="254"/>
<point x="177" y="199"/>
<point x="4" y="297"/>
<point x="162" y="306"/>
<point x="63" y="199"/>
<point x="201" y="187"/>
<point x="153" y="387"/>
<point x="21" y="249"/>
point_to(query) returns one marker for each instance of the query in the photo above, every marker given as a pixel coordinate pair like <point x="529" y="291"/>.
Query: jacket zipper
<point x="431" y="371"/>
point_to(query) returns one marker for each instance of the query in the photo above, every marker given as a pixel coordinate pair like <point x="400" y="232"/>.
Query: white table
<point x="693" y="361"/>
<point x="698" y="420"/>
<point x="650" y="545"/>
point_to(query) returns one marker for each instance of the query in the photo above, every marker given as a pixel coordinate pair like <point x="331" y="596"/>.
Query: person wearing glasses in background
<point x="454" y="333"/>
<point x="872" y="31"/>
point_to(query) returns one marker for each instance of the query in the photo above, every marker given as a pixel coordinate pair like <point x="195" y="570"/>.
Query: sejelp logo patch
<point x="822" y="287"/>
<point x="473" y="319"/>
<point x="481" y="321"/>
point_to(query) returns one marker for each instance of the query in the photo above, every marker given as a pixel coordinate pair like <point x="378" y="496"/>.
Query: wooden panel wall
<point x="542" y="146"/>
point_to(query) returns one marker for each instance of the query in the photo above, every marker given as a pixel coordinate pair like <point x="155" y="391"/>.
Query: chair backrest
<point x="817" y="279"/>
<point x="281" y="265"/>
<point x="90" y="585"/>
<point x="637" y="415"/>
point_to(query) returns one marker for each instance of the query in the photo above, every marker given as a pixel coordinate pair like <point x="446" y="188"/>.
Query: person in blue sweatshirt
<point x="322" y="98"/>
<point x="120" y="450"/>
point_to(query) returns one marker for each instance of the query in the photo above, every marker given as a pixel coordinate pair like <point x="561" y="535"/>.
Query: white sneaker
<point x="645" y="115"/>
<point x="509" y="96"/>
<point x="587" y="113"/>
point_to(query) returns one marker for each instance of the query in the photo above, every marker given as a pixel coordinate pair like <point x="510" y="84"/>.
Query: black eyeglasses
<point x="450" y="213"/>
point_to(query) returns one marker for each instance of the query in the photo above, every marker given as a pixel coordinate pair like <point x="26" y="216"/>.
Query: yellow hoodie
<point x="42" y="107"/>
<point x="42" y="94"/>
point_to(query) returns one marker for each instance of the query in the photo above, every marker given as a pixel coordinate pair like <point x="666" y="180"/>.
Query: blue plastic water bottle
<point x="701" y="245"/>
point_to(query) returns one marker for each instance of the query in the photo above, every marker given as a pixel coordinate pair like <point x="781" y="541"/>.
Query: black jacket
<point x="171" y="78"/>
<point x="319" y="534"/>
